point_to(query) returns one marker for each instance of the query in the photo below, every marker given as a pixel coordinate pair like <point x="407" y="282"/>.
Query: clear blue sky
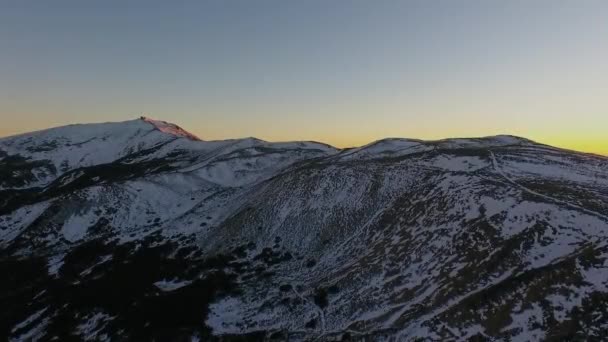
<point x="344" y="72"/>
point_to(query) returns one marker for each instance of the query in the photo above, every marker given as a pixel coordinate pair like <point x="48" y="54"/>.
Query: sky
<point x="345" y="72"/>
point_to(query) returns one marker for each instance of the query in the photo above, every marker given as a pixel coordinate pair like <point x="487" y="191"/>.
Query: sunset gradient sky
<point x="343" y="72"/>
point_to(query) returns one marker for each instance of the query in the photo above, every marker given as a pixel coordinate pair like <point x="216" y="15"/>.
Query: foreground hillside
<point x="139" y="230"/>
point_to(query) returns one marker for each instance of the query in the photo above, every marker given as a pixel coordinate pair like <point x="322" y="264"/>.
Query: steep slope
<point x="494" y="238"/>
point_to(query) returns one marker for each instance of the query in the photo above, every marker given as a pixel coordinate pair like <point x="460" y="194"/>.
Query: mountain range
<point x="139" y="230"/>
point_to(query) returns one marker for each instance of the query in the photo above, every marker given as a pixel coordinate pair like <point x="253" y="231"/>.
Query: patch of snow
<point x="35" y="332"/>
<point x="54" y="264"/>
<point x="89" y="329"/>
<point x="171" y="285"/>
<point x="75" y="228"/>
<point x="524" y="321"/>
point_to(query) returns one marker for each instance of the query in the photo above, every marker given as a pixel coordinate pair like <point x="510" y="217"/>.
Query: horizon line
<point x="348" y="147"/>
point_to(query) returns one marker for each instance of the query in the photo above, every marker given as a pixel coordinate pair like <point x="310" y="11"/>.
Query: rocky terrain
<point x="141" y="231"/>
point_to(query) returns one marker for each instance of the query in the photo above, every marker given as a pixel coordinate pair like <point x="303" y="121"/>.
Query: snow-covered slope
<point x="138" y="230"/>
<point x="39" y="158"/>
<point x="58" y="150"/>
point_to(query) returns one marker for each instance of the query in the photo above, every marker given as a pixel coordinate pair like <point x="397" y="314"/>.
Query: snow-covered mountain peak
<point x="169" y="128"/>
<point x="52" y="152"/>
<point x="494" y="238"/>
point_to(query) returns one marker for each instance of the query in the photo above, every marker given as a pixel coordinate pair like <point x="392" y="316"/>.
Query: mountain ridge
<point x="124" y="231"/>
<point x="156" y="123"/>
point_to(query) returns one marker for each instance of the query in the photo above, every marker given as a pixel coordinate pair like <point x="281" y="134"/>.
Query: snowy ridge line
<point x="547" y="197"/>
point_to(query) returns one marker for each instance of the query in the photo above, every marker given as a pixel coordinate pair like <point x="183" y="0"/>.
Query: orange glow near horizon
<point x="595" y="144"/>
<point x="365" y="70"/>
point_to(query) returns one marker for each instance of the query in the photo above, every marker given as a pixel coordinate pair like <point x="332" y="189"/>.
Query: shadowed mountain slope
<point x="139" y="230"/>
